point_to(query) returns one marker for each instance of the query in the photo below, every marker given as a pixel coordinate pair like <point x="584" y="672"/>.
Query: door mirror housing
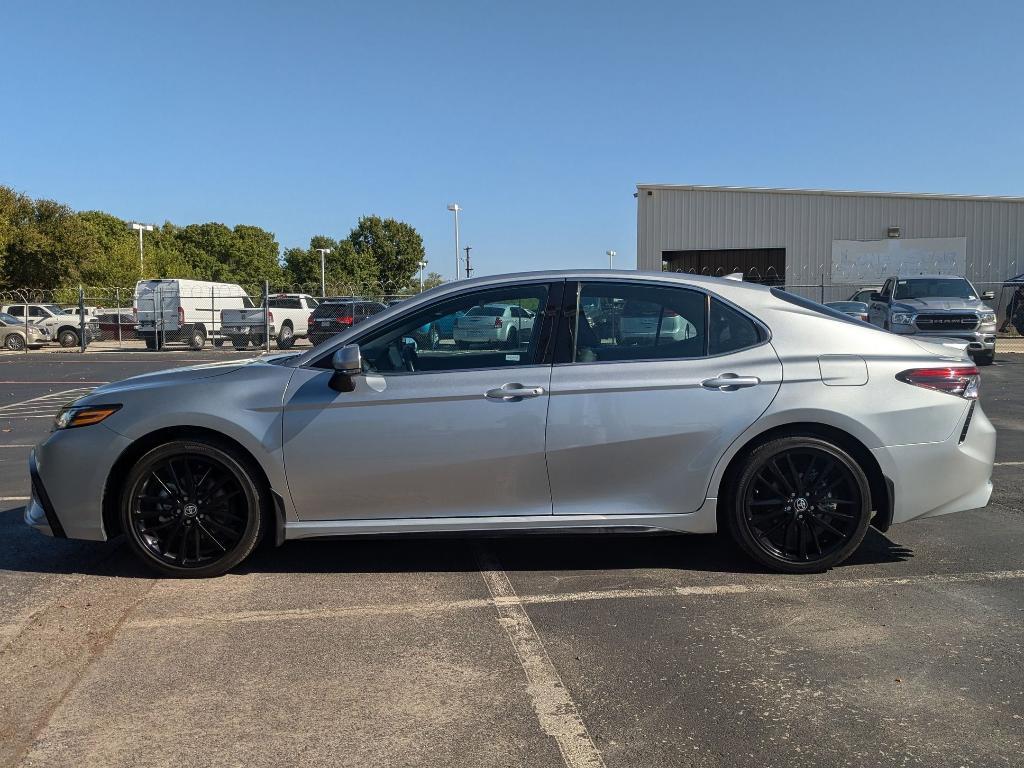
<point x="348" y="361"/>
<point x="988" y="295"/>
<point x="876" y="296"/>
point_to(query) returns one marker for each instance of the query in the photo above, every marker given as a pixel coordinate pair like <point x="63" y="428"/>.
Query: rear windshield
<point x="821" y="309"/>
<point x="334" y="309"/>
<point x="641" y="309"/>
<point x="486" y="312"/>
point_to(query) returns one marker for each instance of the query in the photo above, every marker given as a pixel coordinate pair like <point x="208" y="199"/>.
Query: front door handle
<point x="730" y="382"/>
<point x="513" y="393"/>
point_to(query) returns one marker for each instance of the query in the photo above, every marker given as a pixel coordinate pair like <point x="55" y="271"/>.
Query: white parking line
<point x="13" y="498"/>
<point x="1009" y="464"/>
<point x="45" y="406"/>
<point x="555" y="708"/>
<point x="18" y="445"/>
<point x="788" y="586"/>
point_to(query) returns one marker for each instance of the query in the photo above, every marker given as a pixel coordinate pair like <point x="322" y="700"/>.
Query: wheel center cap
<point x="800" y="505"/>
<point x="190" y="510"/>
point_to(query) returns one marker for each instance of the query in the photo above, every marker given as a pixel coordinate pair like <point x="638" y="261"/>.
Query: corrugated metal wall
<point x="805" y="223"/>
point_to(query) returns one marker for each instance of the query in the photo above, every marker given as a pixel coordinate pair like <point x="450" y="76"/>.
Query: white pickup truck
<point x="288" y="318"/>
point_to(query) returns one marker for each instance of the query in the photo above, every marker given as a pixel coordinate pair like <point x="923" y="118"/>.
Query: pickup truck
<point x="937" y="306"/>
<point x="287" y="314"/>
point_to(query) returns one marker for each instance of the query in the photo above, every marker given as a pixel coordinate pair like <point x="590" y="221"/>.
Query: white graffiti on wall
<point x="862" y="261"/>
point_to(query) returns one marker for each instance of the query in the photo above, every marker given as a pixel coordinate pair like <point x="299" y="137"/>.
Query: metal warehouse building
<point x="821" y="242"/>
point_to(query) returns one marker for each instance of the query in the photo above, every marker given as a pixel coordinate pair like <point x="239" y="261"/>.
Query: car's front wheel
<point x="14" y="342"/>
<point x="985" y="358"/>
<point x="799" y="505"/>
<point x="192" y="508"/>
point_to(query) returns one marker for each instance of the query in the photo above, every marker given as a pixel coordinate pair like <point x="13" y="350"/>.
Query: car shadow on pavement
<point x="25" y="550"/>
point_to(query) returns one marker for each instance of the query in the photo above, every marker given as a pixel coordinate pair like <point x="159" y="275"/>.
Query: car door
<point x="878" y="311"/>
<point x="637" y="423"/>
<point x="445" y="432"/>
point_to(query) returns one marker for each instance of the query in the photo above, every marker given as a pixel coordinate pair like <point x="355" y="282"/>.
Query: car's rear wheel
<point x="192" y="508"/>
<point x="68" y="337"/>
<point x="984" y="358"/>
<point x="196" y="339"/>
<point x="285" y="337"/>
<point x="14" y="342"/>
<point x="799" y="505"/>
<point x="239" y="342"/>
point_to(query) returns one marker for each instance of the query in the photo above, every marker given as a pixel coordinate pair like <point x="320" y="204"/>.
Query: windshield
<point x="9" y="319"/>
<point x="53" y="308"/>
<point x="935" y="288"/>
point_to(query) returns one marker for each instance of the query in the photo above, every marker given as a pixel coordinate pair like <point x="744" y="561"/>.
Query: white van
<point x="184" y="310"/>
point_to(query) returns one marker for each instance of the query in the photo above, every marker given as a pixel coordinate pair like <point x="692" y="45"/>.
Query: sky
<point x="538" y="118"/>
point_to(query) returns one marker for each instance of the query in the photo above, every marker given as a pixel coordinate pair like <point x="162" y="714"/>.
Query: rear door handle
<point x="513" y="393"/>
<point x="730" y="382"/>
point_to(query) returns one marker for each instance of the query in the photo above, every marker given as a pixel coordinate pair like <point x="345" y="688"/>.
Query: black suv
<point x="339" y="314"/>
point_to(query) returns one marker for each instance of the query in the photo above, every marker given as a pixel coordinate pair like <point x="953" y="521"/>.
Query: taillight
<point x="135" y="313"/>
<point x="863" y="318"/>
<point x="270" y="317"/>
<point x="497" y="322"/>
<point x="671" y="313"/>
<point x="963" y="381"/>
<point x="344" y="320"/>
<point x="181" y="316"/>
<point x="309" y="320"/>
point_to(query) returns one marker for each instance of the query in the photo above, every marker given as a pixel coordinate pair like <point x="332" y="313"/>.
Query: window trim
<point x="545" y="345"/>
<point x="569" y="311"/>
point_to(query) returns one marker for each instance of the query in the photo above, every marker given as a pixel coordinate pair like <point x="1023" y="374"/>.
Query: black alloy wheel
<point x="801" y="505"/>
<point x="192" y="509"/>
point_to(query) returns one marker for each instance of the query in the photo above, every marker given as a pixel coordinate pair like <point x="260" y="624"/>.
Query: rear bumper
<point x="931" y="479"/>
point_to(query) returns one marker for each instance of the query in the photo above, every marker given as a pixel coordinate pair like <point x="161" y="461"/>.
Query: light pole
<point x="454" y="208"/>
<point x="423" y="265"/>
<point x="141" y="228"/>
<point x="611" y="255"/>
<point x="323" y="271"/>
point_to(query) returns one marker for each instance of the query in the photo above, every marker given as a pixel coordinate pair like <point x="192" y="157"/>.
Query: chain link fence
<point x="186" y="314"/>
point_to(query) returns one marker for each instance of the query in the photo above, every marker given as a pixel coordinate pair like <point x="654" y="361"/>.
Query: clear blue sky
<point x="537" y="117"/>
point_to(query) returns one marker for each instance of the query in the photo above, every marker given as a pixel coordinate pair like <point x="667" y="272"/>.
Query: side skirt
<point x="702" y="521"/>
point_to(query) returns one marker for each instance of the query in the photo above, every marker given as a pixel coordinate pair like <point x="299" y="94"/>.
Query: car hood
<point x="172" y="376"/>
<point x="942" y="305"/>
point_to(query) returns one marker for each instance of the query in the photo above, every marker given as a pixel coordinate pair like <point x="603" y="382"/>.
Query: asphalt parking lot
<point x="531" y="651"/>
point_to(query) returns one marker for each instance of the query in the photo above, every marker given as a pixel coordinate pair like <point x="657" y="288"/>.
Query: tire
<point x="14" y="342"/>
<point x="180" y="522"/>
<point x="218" y="342"/>
<point x="285" y="337"/>
<point x="777" y="520"/>
<point x="985" y="358"/>
<point x="196" y="339"/>
<point x="239" y="342"/>
<point x="68" y="337"/>
<point x="462" y="345"/>
<point x="512" y="339"/>
<point x="152" y="342"/>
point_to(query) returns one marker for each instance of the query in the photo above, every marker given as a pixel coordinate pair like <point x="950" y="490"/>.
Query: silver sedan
<point x="784" y="423"/>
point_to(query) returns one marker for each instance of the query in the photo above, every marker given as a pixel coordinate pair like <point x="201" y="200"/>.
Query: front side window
<point x="623" y="321"/>
<point x="16" y="310"/>
<point x="473" y="331"/>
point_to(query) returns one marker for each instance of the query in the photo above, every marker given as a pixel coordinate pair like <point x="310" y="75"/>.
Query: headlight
<point x="902" y="318"/>
<point x="988" y="317"/>
<point x="71" y="416"/>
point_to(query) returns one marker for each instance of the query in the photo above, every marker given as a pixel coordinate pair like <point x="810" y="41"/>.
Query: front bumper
<point x="931" y="479"/>
<point x="981" y="340"/>
<point x="39" y="512"/>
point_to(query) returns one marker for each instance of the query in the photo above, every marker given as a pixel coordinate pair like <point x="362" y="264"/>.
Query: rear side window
<point x="729" y="330"/>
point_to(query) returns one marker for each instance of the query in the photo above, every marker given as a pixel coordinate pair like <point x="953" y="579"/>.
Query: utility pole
<point x="141" y="228"/>
<point x="323" y="271"/>
<point x="454" y="208"/>
<point x="469" y="269"/>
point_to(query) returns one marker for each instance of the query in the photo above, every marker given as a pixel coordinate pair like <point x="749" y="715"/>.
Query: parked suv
<point x="339" y="314"/>
<point x="938" y="306"/>
<point x="62" y="327"/>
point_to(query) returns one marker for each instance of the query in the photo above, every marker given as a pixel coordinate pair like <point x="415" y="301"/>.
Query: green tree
<point x="111" y="257"/>
<point x="395" y="246"/>
<point x="432" y="280"/>
<point x="346" y="270"/>
<point x="255" y="256"/>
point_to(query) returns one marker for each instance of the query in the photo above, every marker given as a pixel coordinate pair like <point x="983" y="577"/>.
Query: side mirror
<point x="348" y="361"/>
<point x="988" y="295"/>
<point x="876" y="296"/>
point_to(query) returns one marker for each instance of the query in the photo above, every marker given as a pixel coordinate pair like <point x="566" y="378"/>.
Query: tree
<point x="111" y="257"/>
<point x="432" y="280"/>
<point x="395" y="246"/>
<point x="254" y="256"/>
<point x="347" y="271"/>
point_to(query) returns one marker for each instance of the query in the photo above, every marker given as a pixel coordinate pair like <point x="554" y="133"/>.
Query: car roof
<point x="929" y="277"/>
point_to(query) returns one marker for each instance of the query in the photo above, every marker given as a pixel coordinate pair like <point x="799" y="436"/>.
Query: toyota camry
<point x="785" y="423"/>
